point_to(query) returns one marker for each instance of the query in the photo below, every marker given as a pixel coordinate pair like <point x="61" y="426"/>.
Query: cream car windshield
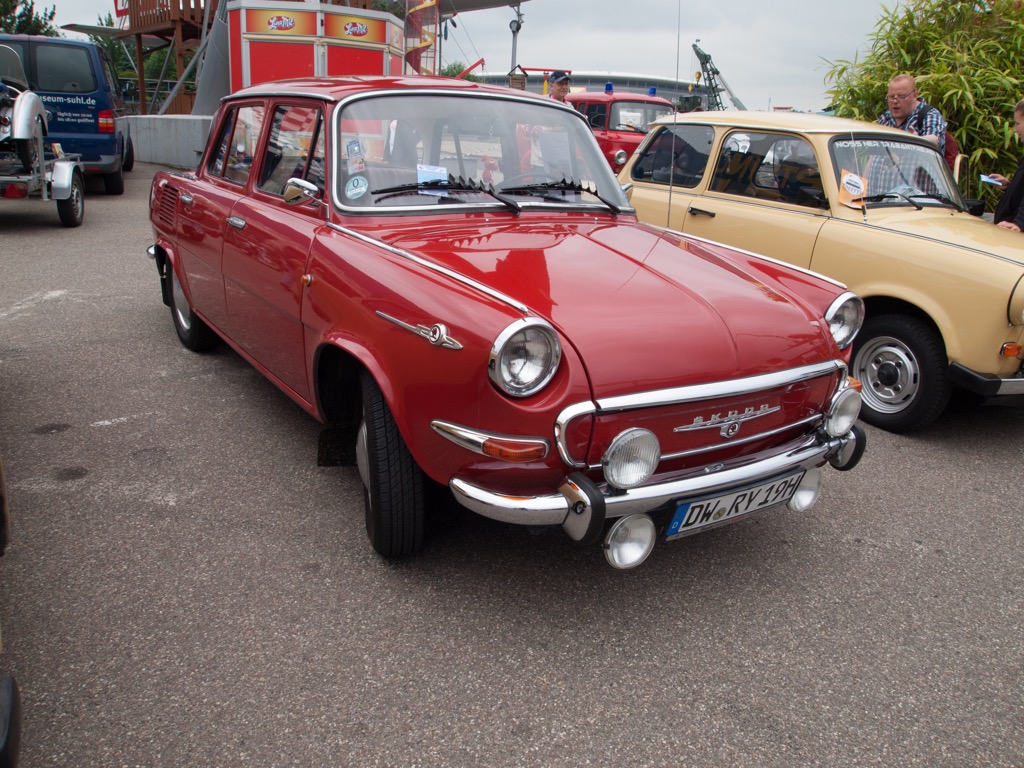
<point x="438" y="150"/>
<point x="883" y="172"/>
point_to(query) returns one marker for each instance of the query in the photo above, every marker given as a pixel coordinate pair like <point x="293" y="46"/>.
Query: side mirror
<point x="975" y="207"/>
<point x="300" y="190"/>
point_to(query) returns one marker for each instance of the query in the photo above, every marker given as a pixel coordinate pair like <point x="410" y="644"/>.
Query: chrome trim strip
<point x="436" y="334"/>
<point x="551" y="509"/>
<point x="730" y="388"/>
<point x="474" y="439"/>
<point x="467" y="281"/>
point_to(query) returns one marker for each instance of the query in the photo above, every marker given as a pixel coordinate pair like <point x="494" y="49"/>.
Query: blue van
<point x="85" y="114"/>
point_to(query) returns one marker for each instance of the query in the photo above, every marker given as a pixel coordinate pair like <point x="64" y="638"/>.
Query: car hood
<point x="951" y="228"/>
<point x="644" y="309"/>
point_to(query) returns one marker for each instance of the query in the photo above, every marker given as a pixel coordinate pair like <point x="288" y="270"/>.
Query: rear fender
<point x="28" y="113"/>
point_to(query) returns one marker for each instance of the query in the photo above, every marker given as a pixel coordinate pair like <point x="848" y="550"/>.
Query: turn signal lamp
<point x="514" y="450"/>
<point x="1011" y="350"/>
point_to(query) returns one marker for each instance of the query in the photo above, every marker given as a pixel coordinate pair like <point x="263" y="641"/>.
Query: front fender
<point x="27" y="114"/>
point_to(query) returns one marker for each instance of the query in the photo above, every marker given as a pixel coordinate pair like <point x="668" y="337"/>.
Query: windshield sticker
<point x="356" y="187"/>
<point x="426" y="173"/>
<point x="903" y="146"/>
<point x="355" y="164"/>
<point x="851" y="188"/>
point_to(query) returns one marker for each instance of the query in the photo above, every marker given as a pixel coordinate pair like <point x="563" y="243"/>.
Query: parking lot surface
<point x="187" y="587"/>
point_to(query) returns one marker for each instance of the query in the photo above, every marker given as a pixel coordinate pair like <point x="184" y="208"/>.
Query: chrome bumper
<point x="553" y="509"/>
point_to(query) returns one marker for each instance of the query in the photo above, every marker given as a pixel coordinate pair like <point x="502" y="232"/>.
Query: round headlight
<point x="524" y="357"/>
<point x="843" y="412"/>
<point x="631" y="458"/>
<point x="845" y="317"/>
<point x="619" y="158"/>
<point x="630" y="541"/>
<point x="807" y="492"/>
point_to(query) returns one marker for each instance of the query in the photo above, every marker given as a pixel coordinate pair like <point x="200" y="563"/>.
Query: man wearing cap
<point x="559" y="85"/>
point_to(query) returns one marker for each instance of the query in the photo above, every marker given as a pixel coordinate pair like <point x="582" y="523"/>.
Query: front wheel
<point x="28" y="153"/>
<point x="72" y="210"/>
<point x="193" y="332"/>
<point x="129" y="157"/>
<point x="394" y="486"/>
<point x="901" y="362"/>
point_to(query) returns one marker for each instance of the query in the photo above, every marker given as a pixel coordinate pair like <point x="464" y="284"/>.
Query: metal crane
<point x="714" y="82"/>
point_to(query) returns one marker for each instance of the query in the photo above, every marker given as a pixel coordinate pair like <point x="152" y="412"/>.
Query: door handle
<point x="236" y="222"/>
<point x="700" y="212"/>
<point x="185" y="198"/>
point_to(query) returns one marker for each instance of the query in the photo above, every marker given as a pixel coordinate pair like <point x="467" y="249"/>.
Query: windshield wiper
<point x="564" y="185"/>
<point x="884" y="195"/>
<point x="940" y="198"/>
<point x="451" y="184"/>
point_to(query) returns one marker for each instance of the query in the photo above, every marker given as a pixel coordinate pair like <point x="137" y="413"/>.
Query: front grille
<point x="721" y="421"/>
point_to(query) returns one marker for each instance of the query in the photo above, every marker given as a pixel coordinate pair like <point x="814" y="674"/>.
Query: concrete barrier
<point x="174" y="140"/>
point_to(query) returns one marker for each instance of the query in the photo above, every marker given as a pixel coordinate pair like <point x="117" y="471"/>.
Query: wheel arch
<point x="876" y="306"/>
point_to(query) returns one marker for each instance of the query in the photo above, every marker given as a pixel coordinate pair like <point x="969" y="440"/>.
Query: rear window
<point x="63" y="69"/>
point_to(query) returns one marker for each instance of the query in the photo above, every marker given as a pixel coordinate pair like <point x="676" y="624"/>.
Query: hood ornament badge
<point x="730" y="423"/>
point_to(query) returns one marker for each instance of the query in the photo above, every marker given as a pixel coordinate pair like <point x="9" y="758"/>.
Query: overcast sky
<point x="770" y="52"/>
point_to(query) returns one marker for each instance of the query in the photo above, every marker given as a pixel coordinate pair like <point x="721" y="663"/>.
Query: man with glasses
<point x="909" y="112"/>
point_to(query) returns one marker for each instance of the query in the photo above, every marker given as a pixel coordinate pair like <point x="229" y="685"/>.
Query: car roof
<point x="336" y="88"/>
<point x="47" y="39"/>
<point x="798" y="122"/>
<point x="599" y="96"/>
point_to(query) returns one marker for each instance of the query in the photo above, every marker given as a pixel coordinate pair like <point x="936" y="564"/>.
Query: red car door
<point x="266" y="248"/>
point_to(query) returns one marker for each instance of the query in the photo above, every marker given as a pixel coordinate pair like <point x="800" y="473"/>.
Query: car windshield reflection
<point x="886" y="172"/>
<point x="439" y="150"/>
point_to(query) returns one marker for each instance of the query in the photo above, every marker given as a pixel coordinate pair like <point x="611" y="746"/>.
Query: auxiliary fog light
<point x="807" y="492"/>
<point x="843" y="412"/>
<point x="631" y="458"/>
<point x="630" y="541"/>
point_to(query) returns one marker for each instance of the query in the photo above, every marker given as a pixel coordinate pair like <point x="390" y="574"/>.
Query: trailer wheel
<point x="72" y="210"/>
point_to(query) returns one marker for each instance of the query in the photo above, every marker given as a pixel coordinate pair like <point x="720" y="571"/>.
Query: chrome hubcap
<point x="890" y="374"/>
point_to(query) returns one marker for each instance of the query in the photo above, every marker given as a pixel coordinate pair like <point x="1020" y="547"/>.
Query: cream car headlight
<point x="524" y="357"/>
<point x="845" y="317"/>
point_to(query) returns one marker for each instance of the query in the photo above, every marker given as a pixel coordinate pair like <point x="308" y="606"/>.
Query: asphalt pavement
<point x="187" y="587"/>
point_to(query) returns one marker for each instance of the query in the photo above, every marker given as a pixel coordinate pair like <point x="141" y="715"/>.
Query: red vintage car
<point x="448" y="275"/>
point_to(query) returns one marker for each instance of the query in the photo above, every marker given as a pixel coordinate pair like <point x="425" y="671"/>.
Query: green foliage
<point x="115" y="50"/>
<point x="454" y="69"/>
<point x="965" y="55"/>
<point x="19" y="17"/>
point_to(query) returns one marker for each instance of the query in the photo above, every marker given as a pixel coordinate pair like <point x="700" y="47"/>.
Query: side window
<point x="293" y="134"/>
<point x="215" y="166"/>
<point x="596" y="115"/>
<point x="64" y="69"/>
<point x="677" y="154"/>
<point x="769" y="167"/>
<point x="242" y="147"/>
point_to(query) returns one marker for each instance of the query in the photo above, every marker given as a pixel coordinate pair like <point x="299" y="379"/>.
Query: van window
<point x="64" y="69"/>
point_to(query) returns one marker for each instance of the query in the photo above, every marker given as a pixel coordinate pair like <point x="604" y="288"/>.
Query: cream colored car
<point x="871" y="206"/>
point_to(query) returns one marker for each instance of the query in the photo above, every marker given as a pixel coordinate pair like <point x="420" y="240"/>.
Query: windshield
<point x="637" y="114"/>
<point x="412" y="149"/>
<point x="892" y="172"/>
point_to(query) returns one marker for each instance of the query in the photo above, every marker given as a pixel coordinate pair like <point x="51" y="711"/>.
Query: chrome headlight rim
<point x="843" y="412"/>
<point x="626" y="465"/>
<point x="845" y="316"/>
<point x="498" y="371"/>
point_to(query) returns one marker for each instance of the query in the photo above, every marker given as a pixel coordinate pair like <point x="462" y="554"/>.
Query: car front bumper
<point x="588" y="501"/>
<point x="984" y="384"/>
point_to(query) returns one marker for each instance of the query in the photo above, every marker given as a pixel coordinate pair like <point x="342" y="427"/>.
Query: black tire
<point x="113" y="183"/>
<point x="193" y="332"/>
<point x="28" y="152"/>
<point x="72" y="210"/>
<point x="394" y="487"/>
<point x="129" y="157"/>
<point x="902" y="363"/>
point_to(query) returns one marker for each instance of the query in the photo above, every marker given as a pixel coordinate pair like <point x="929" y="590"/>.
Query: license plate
<point x="692" y="516"/>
